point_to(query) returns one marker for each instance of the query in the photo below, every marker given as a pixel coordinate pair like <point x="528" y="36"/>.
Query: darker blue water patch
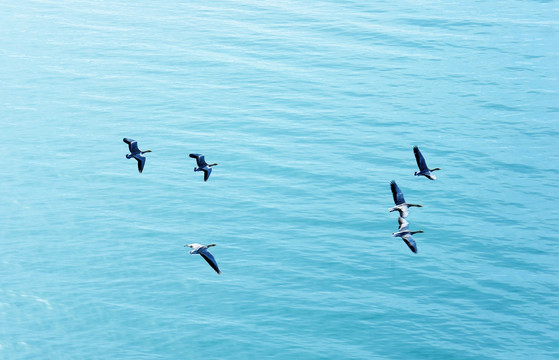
<point x="501" y="107"/>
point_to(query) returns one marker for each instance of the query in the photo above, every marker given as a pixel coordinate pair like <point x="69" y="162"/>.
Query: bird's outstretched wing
<point x="420" y="159"/>
<point x="141" y="162"/>
<point x="403" y="224"/>
<point x="410" y="242"/>
<point x="397" y="193"/>
<point x="200" y="161"/>
<point x="207" y="171"/>
<point x="210" y="260"/>
<point x="132" y="145"/>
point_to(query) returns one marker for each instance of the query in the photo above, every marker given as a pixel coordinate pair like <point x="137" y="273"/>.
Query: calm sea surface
<point x="310" y="108"/>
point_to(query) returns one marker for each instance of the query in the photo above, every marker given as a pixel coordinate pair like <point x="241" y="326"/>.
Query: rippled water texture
<point x="310" y="109"/>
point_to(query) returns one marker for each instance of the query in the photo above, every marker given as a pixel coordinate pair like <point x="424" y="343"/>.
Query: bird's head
<point x="215" y="164"/>
<point x="212" y="245"/>
<point x="143" y="152"/>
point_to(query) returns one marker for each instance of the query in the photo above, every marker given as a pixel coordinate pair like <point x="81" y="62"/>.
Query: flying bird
<point x="423" y="168"/>
<point x="203" y="251"/>
<point x="401" y="206"/>
<point x="406" y="234"/>
<point x="202" y="165"/>
<point x="136" y="153"/>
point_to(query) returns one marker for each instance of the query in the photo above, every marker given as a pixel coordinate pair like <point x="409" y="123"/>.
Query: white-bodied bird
<point x="401" y="206"/>
<point x="423" y="168"/>
<point x="406" y="234"/>
<point x="203" y="251"/>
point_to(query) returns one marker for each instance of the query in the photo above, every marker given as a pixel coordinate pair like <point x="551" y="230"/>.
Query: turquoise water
<point x="310" y="109"/>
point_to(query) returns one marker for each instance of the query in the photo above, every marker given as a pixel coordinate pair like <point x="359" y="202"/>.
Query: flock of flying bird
<point x="202" y="165"/>
<point x="401" y="206"/>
